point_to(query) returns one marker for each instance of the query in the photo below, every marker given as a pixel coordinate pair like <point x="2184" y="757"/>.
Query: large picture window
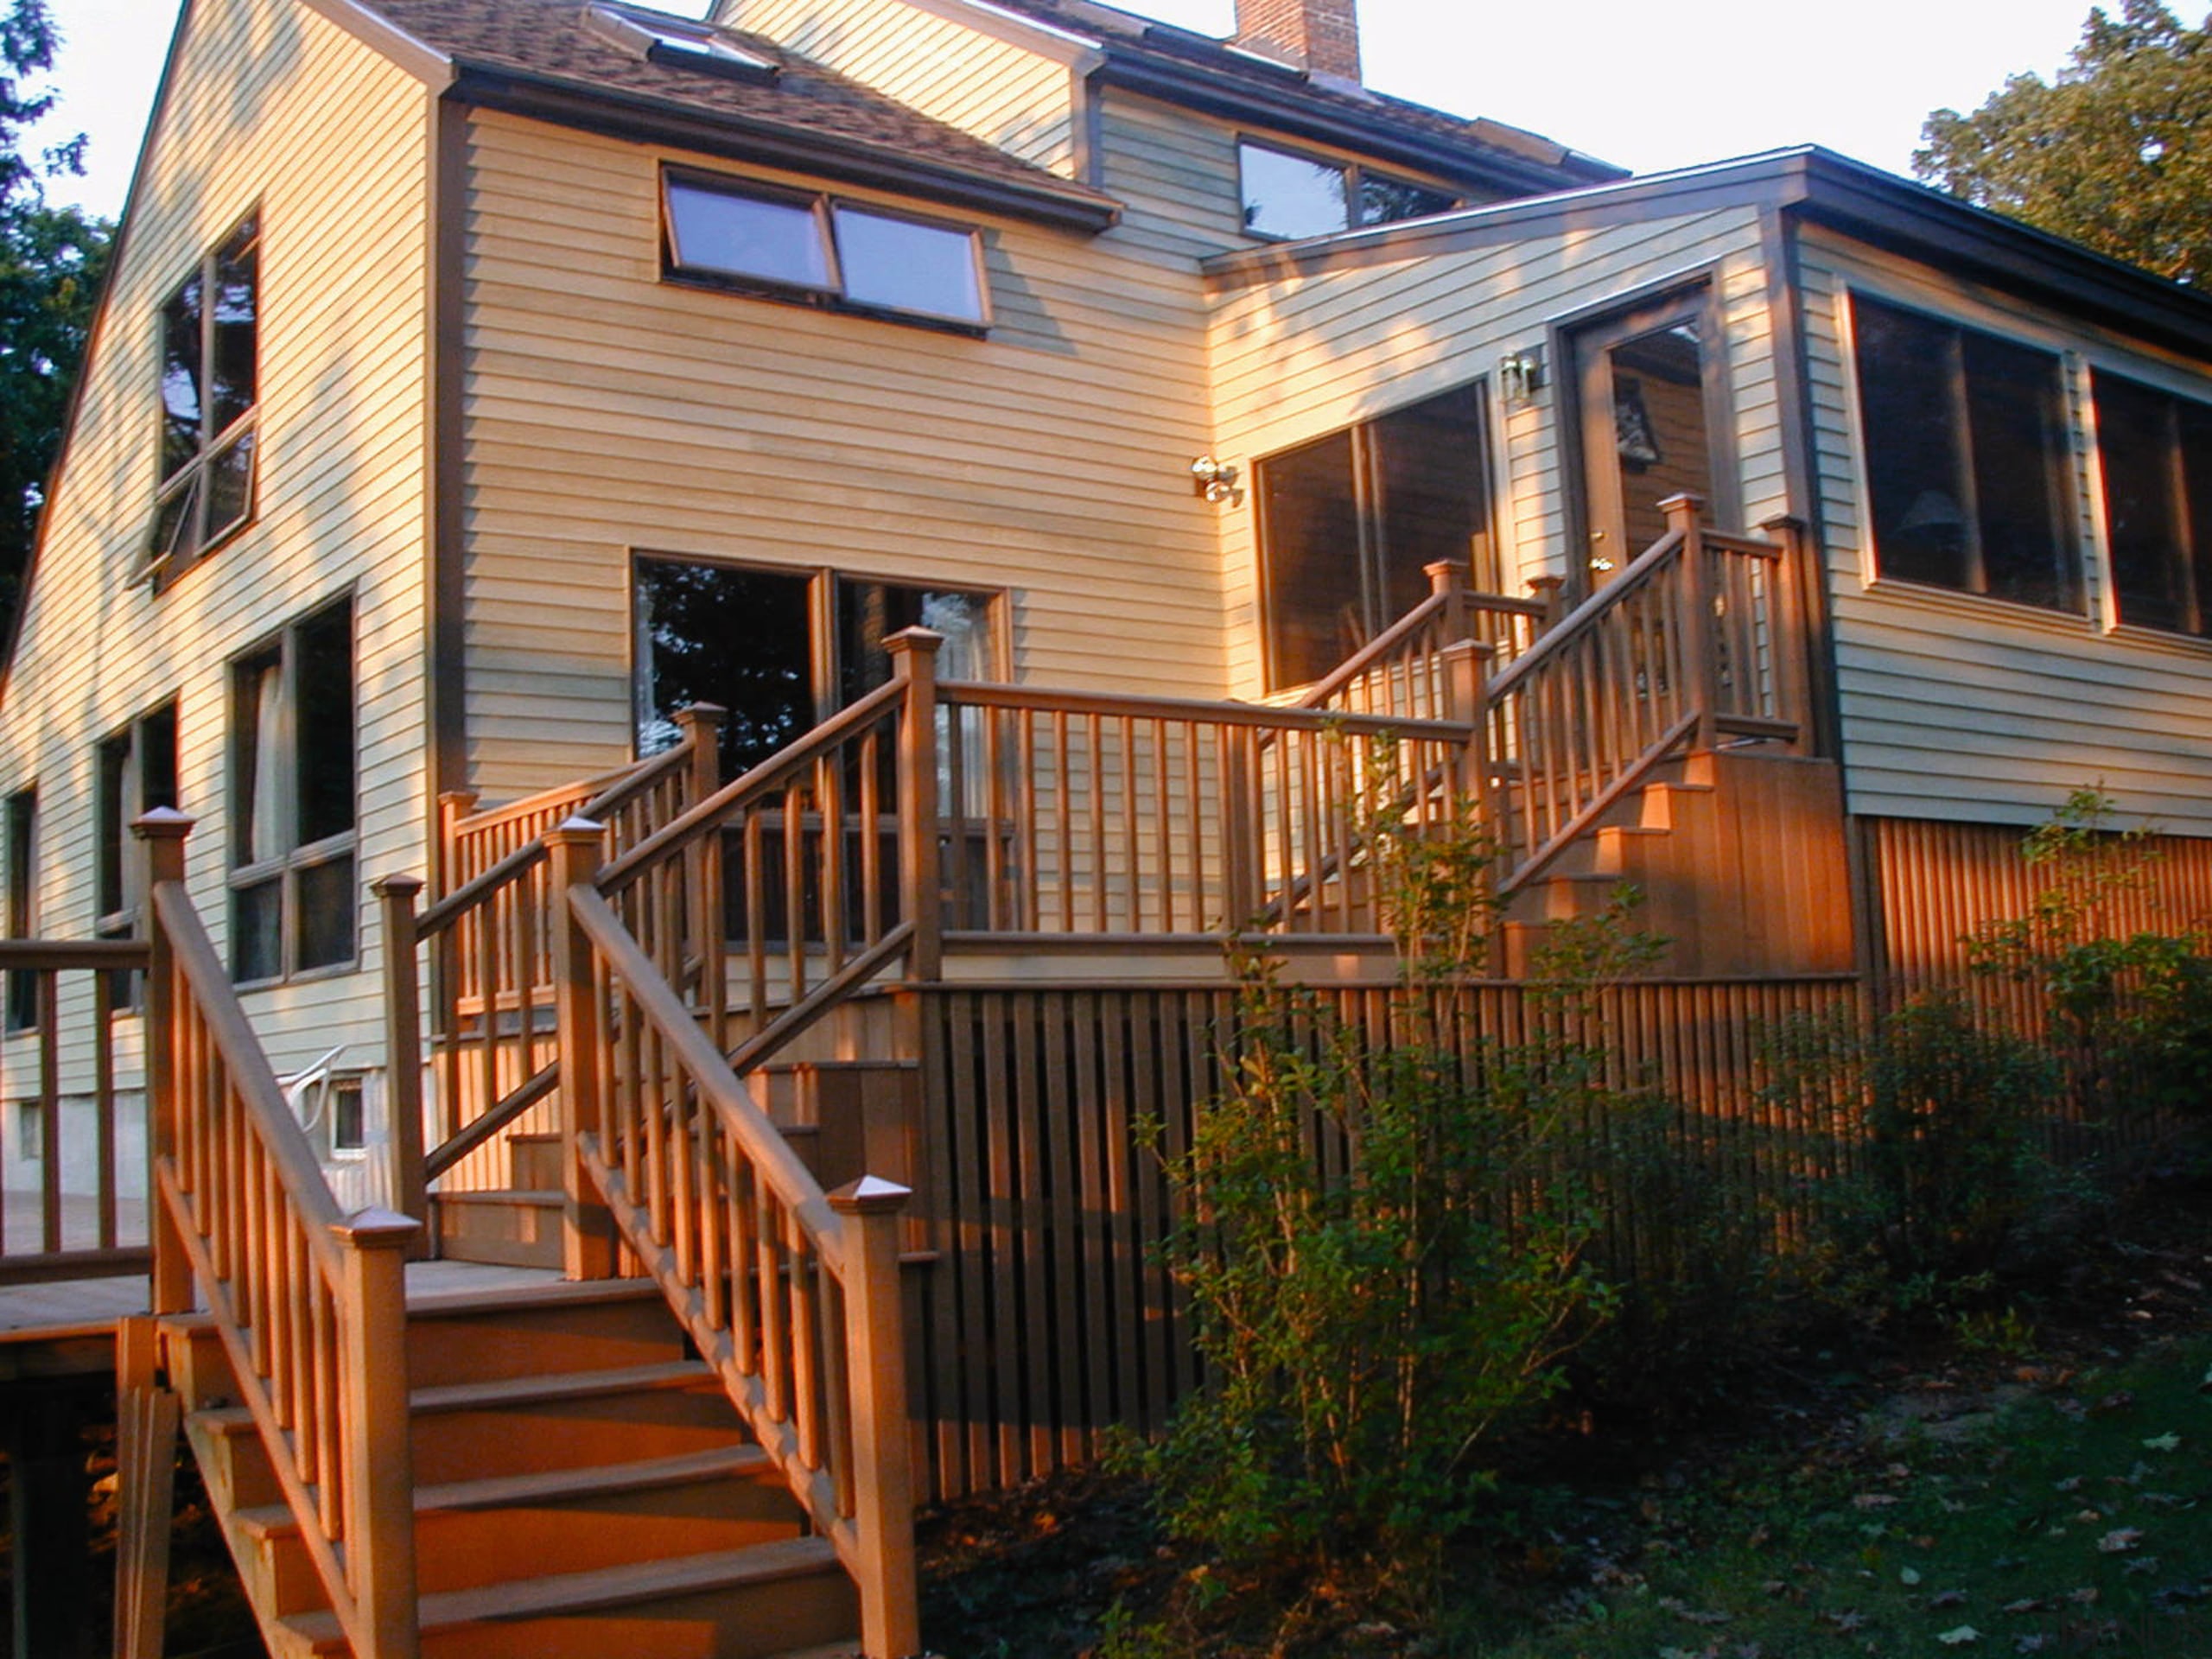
<point x="816" y="248"/>
<point x="1350" y="523"/>
<point x="209" y="393"/>
<point x="1967" y="458"/>
<point x="1289" y="194"/>
<point x="293" y="894"/>
<point x="2157" y="455"/>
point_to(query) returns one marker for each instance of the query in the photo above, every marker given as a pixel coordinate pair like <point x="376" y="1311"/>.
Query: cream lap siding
<point x="609" y="410"/>
<point x="1298" y="356"/>
<point x="1022" y="100"/>
<point x="341" y="183"/>
<point x="1956" y="707"/>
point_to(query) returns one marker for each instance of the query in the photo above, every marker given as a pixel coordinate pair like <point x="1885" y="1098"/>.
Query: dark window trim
<point x="2196" y="628"/>
<point x="20" y="1008"/>
<point x="160" y="570"/>
<point x="832" y="297"/>
<point x="1356" y="173"/>
<point x="287" y="867"/>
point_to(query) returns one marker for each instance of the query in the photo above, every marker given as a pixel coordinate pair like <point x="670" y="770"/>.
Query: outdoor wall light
<point x="1216" y="480"/>
<point x="1521" y="376"/>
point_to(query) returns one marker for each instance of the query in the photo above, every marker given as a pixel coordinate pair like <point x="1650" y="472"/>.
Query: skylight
<point x="677" y="41"/>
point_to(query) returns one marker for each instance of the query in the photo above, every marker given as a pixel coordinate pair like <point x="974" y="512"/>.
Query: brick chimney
<point x="1324" y="34"/>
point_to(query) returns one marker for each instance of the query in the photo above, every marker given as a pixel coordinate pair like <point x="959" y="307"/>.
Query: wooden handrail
<point x="34" y="955"/>
<point x="978" y="694"/>
<point x="1578" y="620"/>
<point x="1374" y="651"/>
<point x="512" y="1107"/>
<point x="1666" y="743"/>
<point x="478" y="890"/>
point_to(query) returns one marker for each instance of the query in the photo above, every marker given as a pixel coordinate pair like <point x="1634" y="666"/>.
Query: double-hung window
<point x="1289" y="194"/>
<point x="136" y="772"/>
<point x="293" y="894"/>
<point x="209" y="394"/>
<point x="2155" y="451"/>
<point x="823" y="250"/>
<point x="1968" y="463"/>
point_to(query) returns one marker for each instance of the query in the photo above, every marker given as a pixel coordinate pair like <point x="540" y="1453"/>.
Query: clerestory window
<point x="1289" y="194"/>
<point x="209" y="396"/>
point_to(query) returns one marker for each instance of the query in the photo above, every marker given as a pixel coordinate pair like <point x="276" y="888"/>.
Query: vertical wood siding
<point x="1964" y="708"/>
<point x="341" y="182"/>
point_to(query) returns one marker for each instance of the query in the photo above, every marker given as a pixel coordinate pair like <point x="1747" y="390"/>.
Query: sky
<point x="1650" y="86"/>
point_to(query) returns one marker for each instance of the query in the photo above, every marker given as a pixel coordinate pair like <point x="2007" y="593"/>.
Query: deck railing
<point x="1696" y="643"/>
<point x="88" y="1221"/>
<point x="309" y="1304"/>
<point x="1398" y="674"/>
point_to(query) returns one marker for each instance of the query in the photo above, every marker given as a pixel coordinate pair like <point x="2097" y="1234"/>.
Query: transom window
<point x="823" y="250"/>
<point x="2157" y="455"/>
<point x="293" y="895"/>
<point x="1288" y="195"/>
<point x="209" y="391"/>
<point x="1967" y="458"/>
<point x="1350" y="523"/>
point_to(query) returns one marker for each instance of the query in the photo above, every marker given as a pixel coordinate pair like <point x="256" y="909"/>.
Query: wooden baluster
<point x="587" y="1227"/>
<point x="403" y="1022"/>
<point x="1685" y="512"/>
<point x="103" y="1101"/>
<point x="913" y="661"/>
<point x="701" y="725"/>
<point x="883" y="1468"/>
<point x="160" y="835"/>
<point x="380" y="1481"/>
<point x="50" y="1108"/>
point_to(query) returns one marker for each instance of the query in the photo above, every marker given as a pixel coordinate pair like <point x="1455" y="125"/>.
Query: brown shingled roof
<point x="550" y="42"/>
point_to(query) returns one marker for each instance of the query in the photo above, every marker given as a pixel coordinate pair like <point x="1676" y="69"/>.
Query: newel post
<point x="702" y="726"/>
<point x="1550" y="592"/>
<point x="380" y="1484"/>
<point x="1447" y="580"/>
<point x="587" y="1227"/>
<point x="161" y="836"/>
<point x="403" y="1026"/>
<point x="883" y="1444"/>
<point x="453" y="805"/>
<point x="1789" y="593"/>
<point x="913" y="665"/>
<point x="1466" y="677"/>
<point x="1686" y="514"/>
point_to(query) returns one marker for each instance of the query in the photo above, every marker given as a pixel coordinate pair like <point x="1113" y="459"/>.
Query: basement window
<point x="818" y="250"/>
<point x="1288" y="195"/>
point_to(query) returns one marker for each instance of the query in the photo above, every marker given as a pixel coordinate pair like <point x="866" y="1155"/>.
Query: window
<point x="293" y="896"/>
<point x="679" y="42"/>
<point x="748" y="639"/>
<point x="1349" y="522"/>
<point x="136" y="773"/>
<point x="1288" y="195"/>
<point x="2157" y="452"/>
<point x="1967" y="456"/>
<point x="209" y="370"/>
<point x="821" y="250"/>
<point x="21" y="1012"/>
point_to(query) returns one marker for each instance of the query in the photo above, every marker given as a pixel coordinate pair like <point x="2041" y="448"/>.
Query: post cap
<point x="1682" y="501"/>
<point x="915" y="639"/>
<point x="711" y="713"/>
<point x="871" y="1195"/>
<point x="377" y="1229"/>
<point x="163" y="824"/>
<point x="576" y="827"/>
<point x="1468" y="648"/>
<point x="1783" y="521"/>
<point x="396" y="886"/>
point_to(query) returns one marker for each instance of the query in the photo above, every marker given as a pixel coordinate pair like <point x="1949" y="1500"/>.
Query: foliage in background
<point x="53" y="260"/>
<point x="2116" y="152"/>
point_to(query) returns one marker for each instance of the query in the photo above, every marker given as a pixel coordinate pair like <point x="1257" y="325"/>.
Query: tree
<point x="52" y="260"/>
<point x="2115" y="153"/>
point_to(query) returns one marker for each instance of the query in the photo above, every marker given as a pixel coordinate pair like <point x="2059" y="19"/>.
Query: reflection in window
<point x="209" y="388"/>
<point x="2157" y="454"/>
<point x="1350" y="523"/>
<point x="1290" y="195"/>
<point x="1967" y="458"/>
<point x="832" y="252"/>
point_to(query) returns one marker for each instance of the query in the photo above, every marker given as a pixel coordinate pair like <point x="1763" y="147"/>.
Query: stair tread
<point x="605" y="1587"/>
<point x="561" y="1293"/>
<point x="509" y="1390"/>
<point x="503" y="1491"/>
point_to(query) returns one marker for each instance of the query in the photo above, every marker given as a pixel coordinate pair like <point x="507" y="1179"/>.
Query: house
<point x="486" y="386"/>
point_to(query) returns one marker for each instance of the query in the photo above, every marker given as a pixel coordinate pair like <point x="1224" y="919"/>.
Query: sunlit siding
<point x="341" y="182"/>
<point x="1959" y="706"/>
<point x="1023" y="101"/>
<point x="609" y="411"/>
<point x="1295" y="358"/>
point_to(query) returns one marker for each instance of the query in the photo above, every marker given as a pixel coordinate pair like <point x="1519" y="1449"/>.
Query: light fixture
<point x="1521" y="376"/>
<point x="1216" y="480"/>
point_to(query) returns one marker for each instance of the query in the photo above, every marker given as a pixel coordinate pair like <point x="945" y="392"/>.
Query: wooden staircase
<point x="582" y="1488"/>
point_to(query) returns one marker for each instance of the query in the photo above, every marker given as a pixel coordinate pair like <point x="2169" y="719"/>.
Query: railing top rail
<point x="538" y="801"/>
<point x="790" y="1179"/>
<point x="703" y="816"/>
<point x="1507" y="604"/>
<point x="1752" y="547"/>
<point x="621" y="788"/>
<point x="479" y="889"/>
<point x="278" y="1131"/>
<point x="1373" y="651"/>
<point x="1639" y="571"/>
<point x="979" y="694"/>
<point x="32" y="954"/>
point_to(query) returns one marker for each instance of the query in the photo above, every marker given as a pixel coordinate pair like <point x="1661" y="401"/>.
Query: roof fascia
<point x="425" y="62"/>
<point x="734" y="138"/>
<point x="1193" y="87"/>
<point x="1763" y="181"/>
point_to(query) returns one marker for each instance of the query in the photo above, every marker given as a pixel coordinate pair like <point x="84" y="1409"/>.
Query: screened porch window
<point x="1349" y="524"/>
<point x="1967" y="458"/>
<point x="2157" y="455"/>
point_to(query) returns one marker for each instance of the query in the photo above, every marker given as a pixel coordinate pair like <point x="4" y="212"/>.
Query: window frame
<point x="113" y="815"/>
<point x="2142" y="380"/>
<point x="287" y="866"/>
<point x="832" y="294"/>
<point x="1355" y="173"/>
<point x="2084" y="557"/>
<point x="191" y="477"/>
